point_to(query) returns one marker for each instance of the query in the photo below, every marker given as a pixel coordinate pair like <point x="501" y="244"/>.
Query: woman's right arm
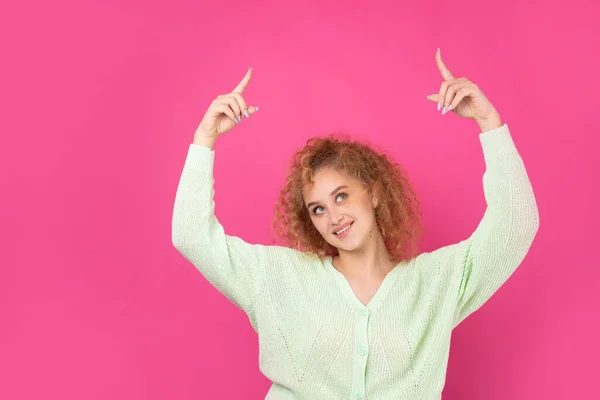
<point x="232" y="266"/>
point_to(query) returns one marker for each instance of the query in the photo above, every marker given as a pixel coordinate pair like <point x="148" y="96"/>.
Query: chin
<point x="349" y="248"/>
<point x="348" y="244"/>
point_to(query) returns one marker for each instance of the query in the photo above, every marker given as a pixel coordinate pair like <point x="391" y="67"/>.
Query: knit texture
<point x="316" y="339"/>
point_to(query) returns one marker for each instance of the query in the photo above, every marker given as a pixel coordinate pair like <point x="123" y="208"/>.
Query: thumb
<point x="433" y="97"/>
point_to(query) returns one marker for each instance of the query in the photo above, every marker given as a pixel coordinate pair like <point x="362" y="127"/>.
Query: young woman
<point x="347" y="311"/>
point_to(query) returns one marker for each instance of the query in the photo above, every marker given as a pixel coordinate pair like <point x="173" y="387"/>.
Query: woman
<point x="347" y="311"/>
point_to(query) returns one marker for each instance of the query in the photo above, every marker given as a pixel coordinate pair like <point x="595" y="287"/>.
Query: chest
<point x="364" y="288"/>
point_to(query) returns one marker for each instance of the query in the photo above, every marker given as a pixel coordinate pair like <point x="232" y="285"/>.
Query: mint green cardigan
<point x="316" y="339"/>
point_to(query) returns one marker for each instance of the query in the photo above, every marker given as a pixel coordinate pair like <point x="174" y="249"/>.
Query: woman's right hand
<point x="225" y="112"/>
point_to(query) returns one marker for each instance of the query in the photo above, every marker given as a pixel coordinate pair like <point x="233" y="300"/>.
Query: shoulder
<point x="284" y="264"/>
<point x="443" y="263"/>
<point x="286" y="256"/>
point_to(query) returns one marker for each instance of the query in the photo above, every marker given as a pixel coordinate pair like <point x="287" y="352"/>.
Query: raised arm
<point x="505" y="234"/>
<point x="232" y="266"/>
<point x="485" y="260"/>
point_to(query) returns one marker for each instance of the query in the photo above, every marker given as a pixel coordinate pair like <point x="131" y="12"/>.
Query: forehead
<point x="325" y="180"/>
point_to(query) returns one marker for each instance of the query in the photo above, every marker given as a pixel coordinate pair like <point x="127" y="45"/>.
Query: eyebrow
<point x="330" y="194"/>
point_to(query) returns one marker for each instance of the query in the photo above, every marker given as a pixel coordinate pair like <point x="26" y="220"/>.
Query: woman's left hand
<point x="464" y="98"/>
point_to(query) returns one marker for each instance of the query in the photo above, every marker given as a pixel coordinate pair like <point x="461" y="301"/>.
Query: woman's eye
<point x="342" y="195"/>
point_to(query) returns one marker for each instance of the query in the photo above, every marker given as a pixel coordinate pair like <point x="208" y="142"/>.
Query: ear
<point x="375" y="197"/>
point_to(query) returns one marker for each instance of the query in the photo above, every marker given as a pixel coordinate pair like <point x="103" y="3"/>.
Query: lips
<point x="341" y="228"/>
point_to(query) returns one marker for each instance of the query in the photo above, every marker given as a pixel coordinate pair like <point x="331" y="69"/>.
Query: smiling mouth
<point x="344" y="230"/>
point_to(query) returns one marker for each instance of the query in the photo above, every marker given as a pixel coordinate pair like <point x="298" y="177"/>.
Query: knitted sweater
<point x="316" y="339"/>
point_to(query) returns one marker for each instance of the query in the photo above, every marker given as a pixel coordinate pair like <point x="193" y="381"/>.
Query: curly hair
<point x="397" y="214"/>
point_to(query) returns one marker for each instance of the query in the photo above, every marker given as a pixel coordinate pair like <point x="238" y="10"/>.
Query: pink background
<point x="99" y="104"/>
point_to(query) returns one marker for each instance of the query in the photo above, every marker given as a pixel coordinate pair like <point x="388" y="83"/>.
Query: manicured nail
<point x="451" y="107"/>
<point x="256" y="108"/>
<point x="246" y="113"/>
<point x="439" y="106"/>
<point x="444" y="110"/>
<point x="428" y="97"/>
<point x="250" y="68"/>
<point x="238" y="119"/>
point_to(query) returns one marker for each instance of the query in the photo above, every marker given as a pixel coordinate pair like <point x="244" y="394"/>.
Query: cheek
<point x="365" y="210"/>
<point x="369" y="220"/>
<point x="320" y="224"/>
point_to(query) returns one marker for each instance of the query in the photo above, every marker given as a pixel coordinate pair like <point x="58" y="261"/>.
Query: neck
<point x="372" y="258"/>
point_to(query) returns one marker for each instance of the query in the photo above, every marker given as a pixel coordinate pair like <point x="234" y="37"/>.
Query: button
<point x="364" y="312"/>
<point x="358" y="394"/>
<point x="363" y="350"/>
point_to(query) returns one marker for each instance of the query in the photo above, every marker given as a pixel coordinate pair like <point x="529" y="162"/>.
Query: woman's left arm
<point x="503" y="237"/>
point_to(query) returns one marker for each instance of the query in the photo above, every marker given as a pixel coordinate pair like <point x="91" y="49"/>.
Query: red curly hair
<point x="397" y="214"/>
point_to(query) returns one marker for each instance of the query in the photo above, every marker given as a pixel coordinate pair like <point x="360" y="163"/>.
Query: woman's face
<point x="341" y="208"/>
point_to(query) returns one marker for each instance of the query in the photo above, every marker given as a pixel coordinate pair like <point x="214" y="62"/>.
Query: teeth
<point x="343" y="230"/>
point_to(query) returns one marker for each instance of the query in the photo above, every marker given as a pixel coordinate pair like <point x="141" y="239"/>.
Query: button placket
<point x="361" y="351"/>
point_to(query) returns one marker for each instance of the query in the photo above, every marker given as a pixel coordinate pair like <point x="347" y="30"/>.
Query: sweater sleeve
<point x="235" y="268"/>
<point x="503" y="237"/>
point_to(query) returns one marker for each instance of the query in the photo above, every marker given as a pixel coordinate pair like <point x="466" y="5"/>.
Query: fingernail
<point x="439" y="106"/>
<point x="246" y="113"/>
<point x="237" y="119"/>
<point x="428" y="97"/>
<point x="444" y="110"/>
<point x="256" y="108"/>
<point x="451" y="107"/>
<point x="250" y="68"/>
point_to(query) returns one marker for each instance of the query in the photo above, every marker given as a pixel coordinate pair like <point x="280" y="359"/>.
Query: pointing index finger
<point x="242" y="85"/>
<point x="446" y="74"/>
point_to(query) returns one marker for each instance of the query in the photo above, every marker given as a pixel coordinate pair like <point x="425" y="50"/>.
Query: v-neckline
<point x="385" y="286"/>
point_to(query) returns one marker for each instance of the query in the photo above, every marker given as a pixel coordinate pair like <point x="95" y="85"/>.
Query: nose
<point x="335" y="217"/>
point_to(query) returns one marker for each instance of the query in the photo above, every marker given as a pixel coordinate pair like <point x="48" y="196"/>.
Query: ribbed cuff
<point x="200" y="158"/>
<point x="497" y="143"/>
